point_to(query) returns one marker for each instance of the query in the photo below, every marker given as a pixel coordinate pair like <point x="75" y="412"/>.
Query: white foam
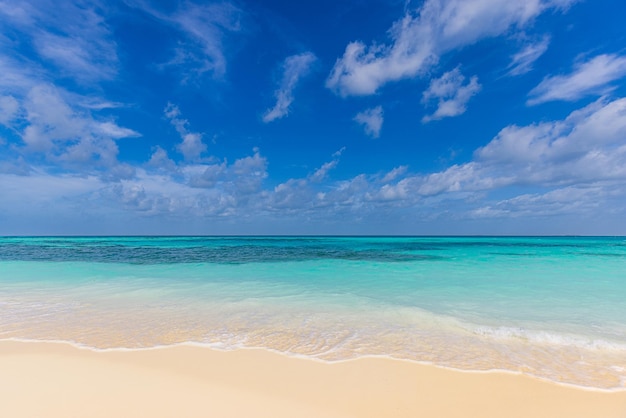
<point x="548" y="338"/>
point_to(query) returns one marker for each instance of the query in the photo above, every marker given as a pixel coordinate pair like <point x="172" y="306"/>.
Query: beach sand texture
<point x="59" y="380"/>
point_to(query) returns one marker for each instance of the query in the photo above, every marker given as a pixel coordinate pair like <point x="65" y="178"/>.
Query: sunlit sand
<point x="58" y="380"/>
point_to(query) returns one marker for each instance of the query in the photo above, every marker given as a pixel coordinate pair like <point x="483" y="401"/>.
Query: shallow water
<point x="550" y="307"/>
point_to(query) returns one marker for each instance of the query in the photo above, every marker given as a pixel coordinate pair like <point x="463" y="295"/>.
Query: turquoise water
<point x="549" y="307"/>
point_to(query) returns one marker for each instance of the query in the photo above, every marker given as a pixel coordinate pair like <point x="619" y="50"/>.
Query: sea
<point x="550" y="307"/>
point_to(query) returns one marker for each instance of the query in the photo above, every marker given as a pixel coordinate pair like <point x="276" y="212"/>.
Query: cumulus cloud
<point x="197" y="189"/>
<point x="584" y="152"/>
<point x="588" y="146"/>
<point x="450" y="93"/>
<point x="206" y="176"/>
<point x="305" y="195"/>
<point x="191" y="146"/>
<point x="522" y="62"/>
<point x="50" y="126"/>
<point x="294" y="68"/>
<point x="249" y="173"/>
<point x="235" y="182"/>
<point x="159" y="160"/>
<point x="422" y="36"/>
<point x="592" y="77"/>
<point x="372" y="120"/>
<point x="566" y="166"/>
<point x="50" y="123"/>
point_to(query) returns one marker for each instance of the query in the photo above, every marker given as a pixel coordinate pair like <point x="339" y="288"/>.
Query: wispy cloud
<point x="450" y="93"/>
<point x="9" y="107"/>
<point x="322" y="172"/>
<point x="17" y="76"/>
<point x="522" y="62"/>
<point x="372" y="120"/>
<point x="191" y="146"/>
<point x="394" y="174"/>
<point x="420" y="38"/>
<point x="85" y="55"/>
<point x="203" y="27"/>
<point x="84" y="50"/>
<point x="294" y="68"/>
<point x="592" y="77"/>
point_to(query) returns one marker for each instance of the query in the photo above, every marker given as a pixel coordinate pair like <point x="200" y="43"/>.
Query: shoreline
<point x="56" y="379"/>
<point x="304" y="357"/>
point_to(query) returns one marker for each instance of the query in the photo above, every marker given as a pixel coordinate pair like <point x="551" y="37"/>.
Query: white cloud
<point x="220" y="189"/>
<point x="206" y="176"/>
<point x="16" y="77"/>
<point x="394" y="174"/>
<point x="248" y="173"/>
<point x="57" y="126"/>
<point x="17" y="11"/>
<point x="580" y="202"/>
<point x="191" y="146"/>
<point x="112" y="130"/>
<point x="451" y="95"/>
<point x="522" y="62"/>
<point x="294" y="68"/>
<point x="372" y="120"/>
<point x="565" y="167"/>
<point x="591" y="77"/>
<point x="585" y="151"/>
<point x="82" y="58"/>
<point x="589" y="145"/>
<point x="322" y="172"/>
<point x="82" y="49"/>
<point x="303" y="194"/>
<point x="159" y="160"/>
<point x="9" y="107"/>
<point x="232" y="183"/>
<point x="49" y="125"/>
<point x="95" y="103"/>
<point x="420" y="38"/>
<point x="204" y="26"/>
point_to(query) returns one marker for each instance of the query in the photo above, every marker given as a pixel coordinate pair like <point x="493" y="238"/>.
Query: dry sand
<point x="58" y="380"/>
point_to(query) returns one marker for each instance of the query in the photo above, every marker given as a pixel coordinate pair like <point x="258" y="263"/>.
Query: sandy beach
<point x="59" y="380"/>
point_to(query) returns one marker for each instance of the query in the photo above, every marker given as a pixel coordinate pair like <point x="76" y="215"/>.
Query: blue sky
<point x="320" y="117"/>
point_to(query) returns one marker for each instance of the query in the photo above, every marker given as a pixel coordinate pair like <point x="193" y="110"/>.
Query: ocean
<point x="550" y="307"/>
